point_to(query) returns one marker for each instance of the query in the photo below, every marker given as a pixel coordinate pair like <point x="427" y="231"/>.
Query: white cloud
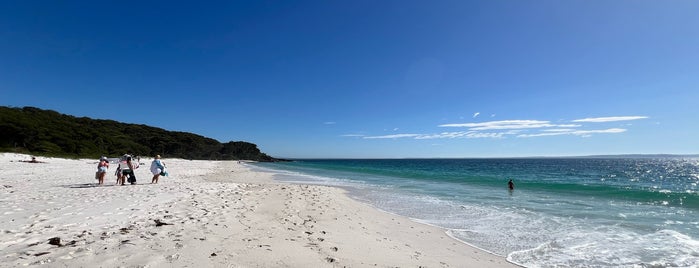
<point x="610" y="119"/>
<point x="329" y="123"/>
<point x="352" y="135"/>
<point x="443" y="135"/>
<point x="504" y="124"/>
<point x="582" y="133"/>
<point x="492" y="135"/>
<point x="514" y="128"/>
<point x="543" y="134"/>
<point x="448" y="135"/>
<point x="568" y="125"/>
<point x="558" y="130"/>
<point x="394" y="136"/>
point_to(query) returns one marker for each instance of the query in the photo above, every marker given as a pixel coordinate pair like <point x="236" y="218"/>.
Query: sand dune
<point x="205" y="214"/>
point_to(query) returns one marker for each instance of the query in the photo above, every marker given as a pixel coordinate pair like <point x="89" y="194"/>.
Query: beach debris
<point x="41" y="253"/>
<point x="104" y="235"/>
<point x="213" y="254"/>
<point x="328" y="259"/>
<point x="83" y="234"/>
<point x="158" y="223"/>
<point x="172" y="257"/>
<point x="334" y="249"/>
<point x="56" y="241"/>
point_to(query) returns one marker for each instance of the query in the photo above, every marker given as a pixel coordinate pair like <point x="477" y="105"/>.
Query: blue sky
<point x="369" y="78"/>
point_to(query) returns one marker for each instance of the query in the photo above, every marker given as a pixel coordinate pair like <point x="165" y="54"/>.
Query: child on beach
<point x="102" y="169"/>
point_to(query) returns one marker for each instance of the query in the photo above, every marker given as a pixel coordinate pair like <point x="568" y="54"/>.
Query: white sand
<point x="222" y="214"/>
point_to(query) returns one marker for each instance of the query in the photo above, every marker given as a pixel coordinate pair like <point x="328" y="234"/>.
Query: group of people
<point x="126" y="167"/>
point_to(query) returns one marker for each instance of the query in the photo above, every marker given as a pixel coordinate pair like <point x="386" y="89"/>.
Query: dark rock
<point x="158" y="222"/>
<point x="56" y="241"/>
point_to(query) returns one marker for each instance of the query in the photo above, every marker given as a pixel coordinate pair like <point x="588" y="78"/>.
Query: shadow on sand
<point x="95" y="185"/>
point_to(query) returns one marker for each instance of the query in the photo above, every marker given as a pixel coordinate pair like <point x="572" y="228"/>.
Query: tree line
<point x="45" y="132"/>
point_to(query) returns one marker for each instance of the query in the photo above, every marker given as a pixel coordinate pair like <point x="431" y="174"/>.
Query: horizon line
<point x="664" y="155"/>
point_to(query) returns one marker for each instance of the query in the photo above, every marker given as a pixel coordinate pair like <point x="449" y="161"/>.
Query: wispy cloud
<point x="352" y="135"/>
<point x="393" y="136"/>
<point x="443" y="135"/>
<point x="582" y="133"/>
<point x="329" y="123"/>
<point x="558" y="130"/>
<point x="512" y="128"/>
<point x="508" y="124"/>
<point x="447" y="135"/>
<point x="609" y="119"/>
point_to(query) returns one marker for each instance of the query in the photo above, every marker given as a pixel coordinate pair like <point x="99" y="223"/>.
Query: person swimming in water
<point x="511" y="185"/>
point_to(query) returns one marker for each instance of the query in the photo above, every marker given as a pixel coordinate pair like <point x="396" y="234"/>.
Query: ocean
<point x="563" y="212"/>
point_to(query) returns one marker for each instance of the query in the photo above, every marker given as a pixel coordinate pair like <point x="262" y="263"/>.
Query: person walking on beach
<point x="127" y="170"/>
<point x="511" y="185"/>
<point x="117" y="173"/>
<point x="157" y="167"/>
<point x="102" y="169"/>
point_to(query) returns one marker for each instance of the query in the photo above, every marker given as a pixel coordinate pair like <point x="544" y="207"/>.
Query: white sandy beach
<point x="212" y="214"/>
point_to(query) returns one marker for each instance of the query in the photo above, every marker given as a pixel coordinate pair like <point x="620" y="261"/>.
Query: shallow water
<point x="564" y="212"/>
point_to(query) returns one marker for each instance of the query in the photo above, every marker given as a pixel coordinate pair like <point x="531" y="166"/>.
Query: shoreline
<point x="207" y="213"/>
<point x="347" y="189"/>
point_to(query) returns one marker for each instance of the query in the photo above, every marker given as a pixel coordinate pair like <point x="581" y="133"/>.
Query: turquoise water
<point x="564" y="212"/>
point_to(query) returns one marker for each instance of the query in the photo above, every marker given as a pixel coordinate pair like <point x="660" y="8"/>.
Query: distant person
<point x="102" y="169"/>
<point x="117" y="173"/>
<point x="511" y="185"/>
<point x="31" y="161"/>
<point x="127" y="168"/>
<point x="157" y="167"/>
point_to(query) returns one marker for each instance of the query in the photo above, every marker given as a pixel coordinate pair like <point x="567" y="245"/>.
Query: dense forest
<point x="44" y="132"/>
